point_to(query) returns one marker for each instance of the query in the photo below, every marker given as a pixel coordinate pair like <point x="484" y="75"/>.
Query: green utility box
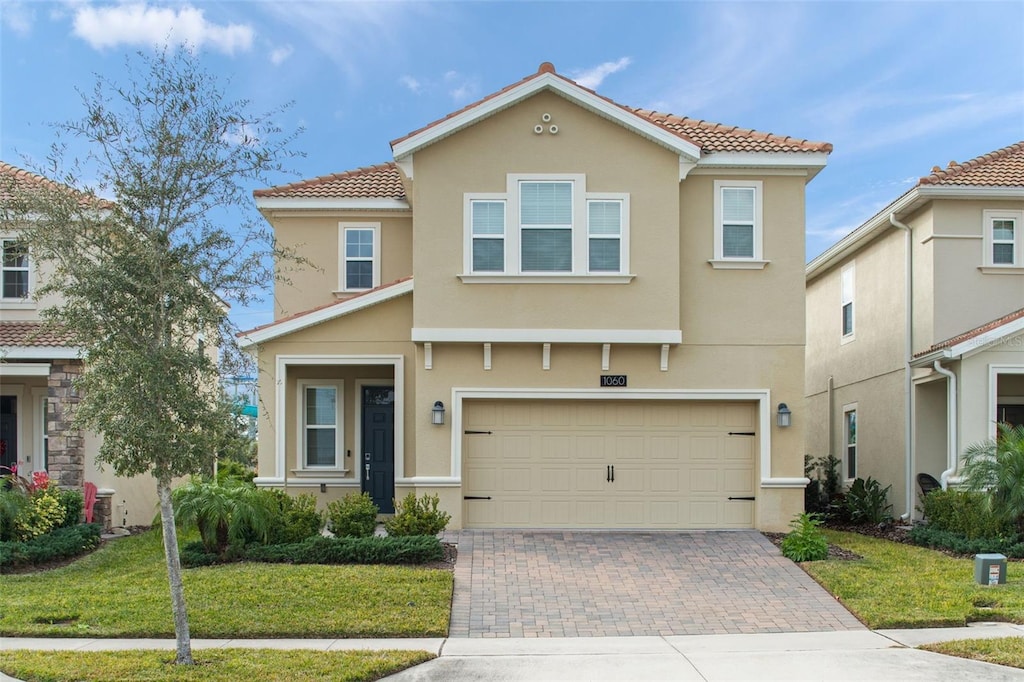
<point x="990" y="569"/>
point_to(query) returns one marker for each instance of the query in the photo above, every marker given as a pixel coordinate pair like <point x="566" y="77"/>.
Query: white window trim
<point x="850" y="267"/>
<point x="513" y="273"/>
<point x="40" y="403"/>
<point x="988" y="241"/>
<point x="339" y="429"/>
<point x="28" y="302"/>
<point x="847" y="409"/>
<point x="757" y="261"/>
<point x="343" y="261"/>
<point x="994" y="370"/>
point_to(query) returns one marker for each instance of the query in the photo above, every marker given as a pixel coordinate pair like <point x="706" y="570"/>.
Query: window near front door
<point x="321" y="425"/>
<point x="850" y="438"/>
<point x="847" y="282"/>
<point x="14" y="269"/>
<point x="360" y="256"/>
<point x="738" y="224"/>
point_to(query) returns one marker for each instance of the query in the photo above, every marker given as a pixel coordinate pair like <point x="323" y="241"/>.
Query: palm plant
<point x="997" y="467"/>
<point x="222" y="512"/>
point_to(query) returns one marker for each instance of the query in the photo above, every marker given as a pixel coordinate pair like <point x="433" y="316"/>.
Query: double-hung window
<point x="320" y="424"/>
<point x="546" y="226"/>
<point x="738" y="228"/>
<point x="360" y="256"/>
<point x="14" y="270"/>
<point x="850" y="440"/>
<point x="1003" y="239"/>
<point x="604" y="235"/>
<point x="487" y="227"/>
<point x="847" y="282"/>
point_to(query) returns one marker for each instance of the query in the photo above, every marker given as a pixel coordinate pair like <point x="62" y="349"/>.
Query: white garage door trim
<point x="761" y="396"/>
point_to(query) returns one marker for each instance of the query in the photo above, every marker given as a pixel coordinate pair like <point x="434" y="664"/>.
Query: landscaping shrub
<point x="805" y="542"/>
<point x="234" y="470"/>
<point x="62" y="543"/>
<point x="194" y="554"/>
<point x="44" y="511"/>
<point x="13" y="502"/>
<point x="824" y="485"/>
<point x="966" y="513"/>
<point x="223" y="514"/>
<point x="352" y="516"/>
<point x="417" y="517"/>
<point x="930" y="536"/>
<point x="996" y="466"/>
<point x="291" y="519"/>
<point x="350" y="550"/>
<point x="73" y="502"/>
<point x="867" y="502"/>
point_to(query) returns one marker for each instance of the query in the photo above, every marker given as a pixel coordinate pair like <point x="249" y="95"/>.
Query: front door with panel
<point x="378" y="446"/>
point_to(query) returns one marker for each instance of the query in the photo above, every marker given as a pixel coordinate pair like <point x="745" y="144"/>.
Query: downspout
<point x="831" y="426"/>
<point x="952" y="458"/>
<point x="908" y="377"/>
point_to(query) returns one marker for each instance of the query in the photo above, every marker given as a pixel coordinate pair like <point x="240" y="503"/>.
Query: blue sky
<point x="897" y="87"/>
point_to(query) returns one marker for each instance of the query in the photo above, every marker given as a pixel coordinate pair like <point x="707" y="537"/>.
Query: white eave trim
<point x="39" y="353"/>
<point x="309" y="203"/>
<point x="460" y="335"/>
<point x="546" y="81"/>
<point x="972" y="345"/>
<point x="809" y="160"/>
<point x="331" y="312"/>
<point x="24" y="369"/>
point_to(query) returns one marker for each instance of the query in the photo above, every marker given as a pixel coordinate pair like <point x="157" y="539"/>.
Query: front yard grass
<point x="121" y="591"/>
<point x="1004" y="650"/>
<point x="213" y="665"/>
<point x="902" y="586"/>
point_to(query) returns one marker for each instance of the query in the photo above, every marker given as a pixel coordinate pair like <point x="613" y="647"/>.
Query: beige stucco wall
<point x="315" y="236"/>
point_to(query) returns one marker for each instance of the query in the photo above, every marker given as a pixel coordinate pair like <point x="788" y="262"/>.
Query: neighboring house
<point x="37" y="368"/>
<point x="552" y="311"/>
<point x="915" y="327"/>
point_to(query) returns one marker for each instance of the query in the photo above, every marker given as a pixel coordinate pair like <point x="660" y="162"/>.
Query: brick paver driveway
<point x="595" y="584"/>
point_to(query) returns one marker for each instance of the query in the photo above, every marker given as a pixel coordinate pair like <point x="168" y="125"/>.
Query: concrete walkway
<point x="834" y="656"/>
<point x="516" y="583"/>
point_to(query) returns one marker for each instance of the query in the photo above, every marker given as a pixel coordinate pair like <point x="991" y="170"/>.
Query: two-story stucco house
<point x="38" y="367"/>
<point x="551" y="310"/>
<point x="915" y="327"/>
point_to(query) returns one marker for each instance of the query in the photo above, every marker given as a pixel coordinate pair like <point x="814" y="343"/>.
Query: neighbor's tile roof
<point x="33" y="334"/>
<point x="372" y="182"/>
<point x="977" y="331"/>
<point x="1001" y="168"/>
<point x="14" y="179"/>
<point x="383" y="181"/>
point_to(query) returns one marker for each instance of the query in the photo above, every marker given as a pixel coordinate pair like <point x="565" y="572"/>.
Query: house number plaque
<point x="613" y="380"/>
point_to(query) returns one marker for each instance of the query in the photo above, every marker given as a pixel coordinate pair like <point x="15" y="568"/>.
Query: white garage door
<point x="604" y="464"/>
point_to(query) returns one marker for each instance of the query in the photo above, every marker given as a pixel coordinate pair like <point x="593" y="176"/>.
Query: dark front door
<point x="8" y="433"/>
<point x="379" y="446"/>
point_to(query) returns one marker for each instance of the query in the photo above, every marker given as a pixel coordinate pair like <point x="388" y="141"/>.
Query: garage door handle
<point x="751" y="499"/>
<point x="474" y="497"/>
<point x="610" y="473"/>
<point x="477" y="433"/>
<point x="742" y="433"/>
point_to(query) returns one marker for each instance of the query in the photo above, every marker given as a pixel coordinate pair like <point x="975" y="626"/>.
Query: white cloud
<point x="140" y="24"/>
<point x="18" y="17"/>
<point x="244" y="134"/>
<point x="411" y="84"/>
<point x="593" y="77"/>
<point x="461" y="88"/>
<point x="279" y="54"/>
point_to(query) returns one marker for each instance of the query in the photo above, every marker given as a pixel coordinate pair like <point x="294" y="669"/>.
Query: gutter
<point x="908" y="379"/>
<point x="952" y="458"/>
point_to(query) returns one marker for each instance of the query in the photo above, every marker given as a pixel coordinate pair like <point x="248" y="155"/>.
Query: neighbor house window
<point x="847" y="282"/>
<point x="738" y="228"/>
<point x="546" y="226"/>
<point x="321" y="424"/>
<point x="1004" y="243"/>
<point x="850" y="441"/>
<point x="360" y="256"/>
<point x="14" y="269"/>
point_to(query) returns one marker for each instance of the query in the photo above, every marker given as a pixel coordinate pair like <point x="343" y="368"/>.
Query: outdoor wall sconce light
<point x="437" y="414"/>
<point x="784" y="415"/>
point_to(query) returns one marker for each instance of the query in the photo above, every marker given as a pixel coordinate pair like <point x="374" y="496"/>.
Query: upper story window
<point x="547" y="228"/>
<point x="360" y="256"/>
<point x="738" y="225"/>
<point x="14" y="270"/>
<point x="847" y="282"/>
<point x="1004" y="242"/>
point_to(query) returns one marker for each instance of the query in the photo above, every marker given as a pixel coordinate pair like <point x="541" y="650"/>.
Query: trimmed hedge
<point x="321" y="550"/>
<point x="62" y="543"/>
<point x="930" y="536"/>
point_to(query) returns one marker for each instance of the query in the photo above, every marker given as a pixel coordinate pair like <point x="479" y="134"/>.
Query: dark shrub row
<point x="62" y="543"/>
<point x="322" y="550"/>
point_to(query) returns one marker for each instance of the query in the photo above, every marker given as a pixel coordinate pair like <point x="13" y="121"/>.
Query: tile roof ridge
<point x="320" y="179"/>
<point x="652" y="115"/>
<point x="977" y="331"/>
<point x="318" y="308"/>
<point x="954" y="169"/>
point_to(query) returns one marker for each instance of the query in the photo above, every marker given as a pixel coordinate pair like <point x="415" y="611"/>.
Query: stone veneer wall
<point x="65" y="458"/>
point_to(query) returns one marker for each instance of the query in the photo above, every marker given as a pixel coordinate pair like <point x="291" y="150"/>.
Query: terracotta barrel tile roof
<point x="14" y="179"/>
<point x="372" y="182"/>
<point x="33" y="334"/>
<point x="1001" y="168"/>
<point x="977" y="331"/>
<point x="715" y="137"/>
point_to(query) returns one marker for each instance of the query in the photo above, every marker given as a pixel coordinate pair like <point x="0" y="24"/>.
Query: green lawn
<point x="1003" y="650"/>
<point x="213" y="665"/>
<point x="902" y="586"/>
<point x="121" y="591"/>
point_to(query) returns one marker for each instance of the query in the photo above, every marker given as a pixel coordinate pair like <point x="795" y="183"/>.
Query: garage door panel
<point x="545" y="464"/>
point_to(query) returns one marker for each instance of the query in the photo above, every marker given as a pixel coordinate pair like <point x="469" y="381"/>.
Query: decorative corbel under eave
<point x="428" y="355"/>
<point x="606" y="357"/>
<point x="545" y="362"/>
<point x="487" y="356"/>
<point x="664" y="357"/>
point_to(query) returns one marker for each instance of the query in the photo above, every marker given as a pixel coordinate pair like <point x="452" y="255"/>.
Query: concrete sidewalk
<point x="833" y="656"/>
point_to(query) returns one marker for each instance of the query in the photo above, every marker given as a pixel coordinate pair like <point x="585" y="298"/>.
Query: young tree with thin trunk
<point x="144" y="276"/>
